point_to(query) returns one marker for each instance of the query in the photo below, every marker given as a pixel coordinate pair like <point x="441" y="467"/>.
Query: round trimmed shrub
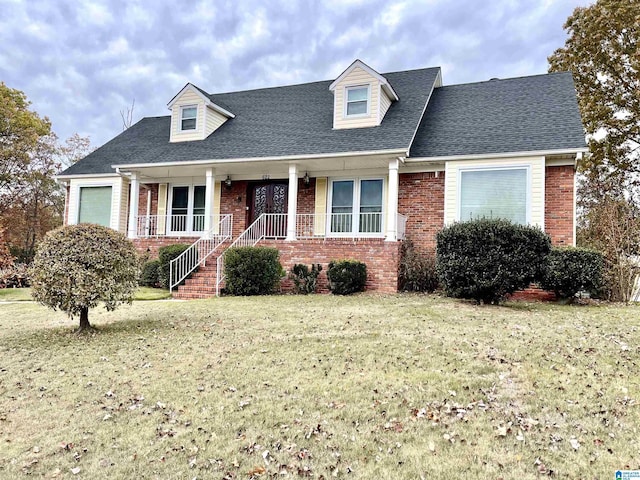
<point x="78" y="266"/>
<point x="570" y="270"/>
<point x="487" y="259"/>
<point x="252" y="270"/>
<point x="346" y="276"/>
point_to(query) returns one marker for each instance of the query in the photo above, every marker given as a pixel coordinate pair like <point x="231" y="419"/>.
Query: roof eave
<point x="478" y="156"/>
<point x="395" y="151"/>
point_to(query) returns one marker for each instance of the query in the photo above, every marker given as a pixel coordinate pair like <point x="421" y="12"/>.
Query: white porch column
<point x="134" y="193"/>
<point x="209" y="195"/>
<point x="392" y="201"/>
<point x="292" y="207"/>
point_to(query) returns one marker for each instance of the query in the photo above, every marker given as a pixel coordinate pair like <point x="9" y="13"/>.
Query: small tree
<point x="78" y="266"/>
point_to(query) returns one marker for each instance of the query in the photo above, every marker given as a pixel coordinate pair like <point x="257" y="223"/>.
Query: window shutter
<point x="320" y="206"/>
<point x="162" y="208"/>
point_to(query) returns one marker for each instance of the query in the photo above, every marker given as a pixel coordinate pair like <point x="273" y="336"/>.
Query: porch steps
<point x="202" y="284"/>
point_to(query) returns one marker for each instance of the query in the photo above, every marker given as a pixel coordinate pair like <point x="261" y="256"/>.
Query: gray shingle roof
<point x="499" y="116"/>
<point x="280" y="121"/>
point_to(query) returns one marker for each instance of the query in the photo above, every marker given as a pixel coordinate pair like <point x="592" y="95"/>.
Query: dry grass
<point x="322" y="387"/>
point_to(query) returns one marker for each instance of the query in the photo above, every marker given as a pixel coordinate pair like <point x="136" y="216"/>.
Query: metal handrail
<point x="197" y="254"/>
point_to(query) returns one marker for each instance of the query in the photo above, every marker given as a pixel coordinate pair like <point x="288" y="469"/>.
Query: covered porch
<point x="278" y="200"/>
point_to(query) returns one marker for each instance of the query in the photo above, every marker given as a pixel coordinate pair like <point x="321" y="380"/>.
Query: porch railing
<point x="197" y="254"/>
<point x="155" y="225"/>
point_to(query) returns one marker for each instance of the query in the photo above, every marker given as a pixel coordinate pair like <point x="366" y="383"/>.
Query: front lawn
<point x="322" y="387"/>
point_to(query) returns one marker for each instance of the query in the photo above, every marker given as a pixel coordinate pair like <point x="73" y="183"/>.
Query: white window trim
<point x="79" y="188"/>
<point x="526" y="167"/>
<point x="190" y="201"/>
<point x="182" y="109"/>
<point x="346" y="101"/>
<point x="355" y="213"/>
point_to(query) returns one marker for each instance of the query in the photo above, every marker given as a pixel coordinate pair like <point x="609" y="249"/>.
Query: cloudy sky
<point x="82" y="62"/>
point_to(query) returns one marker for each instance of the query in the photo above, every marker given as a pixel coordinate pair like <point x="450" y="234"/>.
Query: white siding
<point x="356" y="77"/>
<point x="385" y="103"/>
<point x="124" y="205"/>
<point x="536" y="167"/>
<point x="119" y="199"/>
<point x="187" y="98"/>
<point x="214" y="121"/>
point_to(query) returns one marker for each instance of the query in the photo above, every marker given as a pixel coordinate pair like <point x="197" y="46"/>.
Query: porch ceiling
<point x="253" y="170"/>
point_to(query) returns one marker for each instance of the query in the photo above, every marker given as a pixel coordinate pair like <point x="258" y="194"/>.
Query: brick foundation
<point x="380" y="257"/>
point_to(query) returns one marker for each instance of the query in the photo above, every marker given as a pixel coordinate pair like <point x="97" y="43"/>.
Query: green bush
<point x="305" y="279"/>
<point x="485" y="260"/>
<point x="417" y="272"/>
<point x="150" y="276"/>
<point x="252" y="270"/>
<point x="165" y="255"/>
<point x="346" y="276"/>
<point x="570" y="270"/>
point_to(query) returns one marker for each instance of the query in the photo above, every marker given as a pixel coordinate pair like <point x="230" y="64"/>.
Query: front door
<point x="269" y="198"/>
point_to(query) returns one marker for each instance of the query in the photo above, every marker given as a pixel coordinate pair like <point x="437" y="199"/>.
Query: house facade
<point x="346" y="168"/>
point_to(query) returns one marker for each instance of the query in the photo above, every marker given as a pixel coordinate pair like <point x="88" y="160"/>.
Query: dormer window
<point x="357" y="101"/>
<point x="189" y="114"/>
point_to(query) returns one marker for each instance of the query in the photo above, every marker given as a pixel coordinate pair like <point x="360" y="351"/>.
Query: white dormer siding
<point x="355" y="79"/>
<point x="209" y="116"/>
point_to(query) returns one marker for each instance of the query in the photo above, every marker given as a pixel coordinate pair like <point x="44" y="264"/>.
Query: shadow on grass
<point x="68" y="335"/>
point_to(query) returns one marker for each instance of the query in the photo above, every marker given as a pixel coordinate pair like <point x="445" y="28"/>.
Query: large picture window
<point x="356" y="207"/>
<point x="494" y="193"/>
<point x="95" y="205"/>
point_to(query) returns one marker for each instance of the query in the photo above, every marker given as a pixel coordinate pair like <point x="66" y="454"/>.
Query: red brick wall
<point x="558" y="208"/>
<point x="142" y="199"/>
<point x="234" y="200"/>
<point x="421" y="198"/>
<point x="380" y="257"/>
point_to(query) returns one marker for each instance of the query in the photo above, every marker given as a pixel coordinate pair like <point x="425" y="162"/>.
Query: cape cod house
<point x="345" y="168"/>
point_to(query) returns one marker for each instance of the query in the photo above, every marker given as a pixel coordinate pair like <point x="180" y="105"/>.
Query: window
<point x="187" y="208"/>
<point x="189" y="115"/>
<point x="494" y="193"/>
<point x="357" y="101"/>
<point x="356" y="207"/>
<point x="95" y="205"/>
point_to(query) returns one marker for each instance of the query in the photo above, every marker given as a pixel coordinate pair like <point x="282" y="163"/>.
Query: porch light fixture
<point x="227" y="182"/>
<point x="306" y="179"/>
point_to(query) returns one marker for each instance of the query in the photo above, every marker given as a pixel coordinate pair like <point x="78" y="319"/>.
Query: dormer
<point x="361" y="97"/>
<point x="194" y="116"/>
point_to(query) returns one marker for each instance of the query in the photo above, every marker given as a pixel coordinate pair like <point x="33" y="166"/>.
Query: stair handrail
<point x="251" y="236"/>
<point x="198" y="252"/>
